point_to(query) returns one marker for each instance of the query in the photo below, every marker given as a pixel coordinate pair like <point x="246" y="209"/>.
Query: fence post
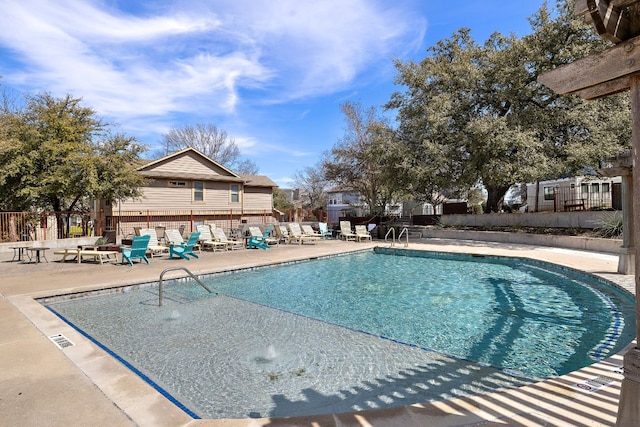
<point x="45" y="219"/>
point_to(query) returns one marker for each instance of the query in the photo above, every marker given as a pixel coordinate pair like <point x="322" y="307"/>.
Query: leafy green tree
<point x="281" y="201"/>
<point x="359" y="161"/>
<point x="212" y="142"/>
<point x="55" y="154"/>
<point x="475" y="114"/>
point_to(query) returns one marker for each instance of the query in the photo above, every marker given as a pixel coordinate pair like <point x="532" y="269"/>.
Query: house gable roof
<point x="188" y="164"/>
<point x="258" y="181"/>
<point x="191" y="164"/>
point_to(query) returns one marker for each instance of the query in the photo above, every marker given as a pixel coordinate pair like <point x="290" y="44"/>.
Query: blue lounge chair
<point x="138" y="250"/>
<point x="259" y="242"/>
<point x="324" y="230"/>
<point x="185" y="250"/>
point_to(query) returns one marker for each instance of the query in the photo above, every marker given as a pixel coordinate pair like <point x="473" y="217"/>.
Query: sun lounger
<point x="206" y="239"/>
<point x="219" y="235"/>
<point x="362" y="233"/>
<point x="296" y="234"/>
<point x="307" y="230"/>
<point x="283" y="233"/>
<point x="78" y="254"/>
<point x="345" y="231"/>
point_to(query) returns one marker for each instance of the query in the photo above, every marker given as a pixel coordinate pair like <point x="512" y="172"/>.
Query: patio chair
<point x="325" y="231"/>
<point x="345" y="231"/>
<point x="307" y="230"/>
<point x="138" y="250"/>
<point x="282" y="233"/>
<point x="362" y="233"/>
<point x="185" y="250"/>
<point x="175" y="236"/>
<point x="206" y="239"/>
<point x="154" y="245"/>
<point x="296" y="234"/>
<point x="219" y="235"/>
<point x="266" y="236"/>
<point x="258" y="240"/>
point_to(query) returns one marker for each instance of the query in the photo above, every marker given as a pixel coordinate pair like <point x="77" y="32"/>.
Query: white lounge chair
<point x="307" y="230"/>
<point x="296" y="234"/>
<point x="219" y="235"/>
<point x="206" y="239"/>
<point x="362" y="233"/>
<point x="345" y="231"/>
<point x="283" y="233"/>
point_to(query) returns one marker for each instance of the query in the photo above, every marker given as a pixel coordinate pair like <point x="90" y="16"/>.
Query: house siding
<point x="189" y="163"/>
<point x="258" y="198"/>
<point x="158" y="196"/>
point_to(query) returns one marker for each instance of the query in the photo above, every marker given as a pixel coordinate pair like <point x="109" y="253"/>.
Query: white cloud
<point x="187" y="60"/>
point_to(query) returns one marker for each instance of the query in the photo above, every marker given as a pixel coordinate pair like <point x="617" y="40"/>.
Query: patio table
<point x="37" y="251"/>
<point x="18" y="251"/>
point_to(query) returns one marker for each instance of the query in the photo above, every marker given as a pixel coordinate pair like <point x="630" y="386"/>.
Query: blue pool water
<point x="355" y="332"/>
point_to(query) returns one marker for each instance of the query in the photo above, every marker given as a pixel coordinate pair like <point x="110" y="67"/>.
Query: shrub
<point x="610" y="226"/>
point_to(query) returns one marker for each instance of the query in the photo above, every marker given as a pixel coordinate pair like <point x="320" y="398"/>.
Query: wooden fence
<point x="24" y="226"/>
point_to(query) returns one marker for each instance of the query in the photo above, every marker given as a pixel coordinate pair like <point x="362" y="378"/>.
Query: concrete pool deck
<point x="42" y="384"/>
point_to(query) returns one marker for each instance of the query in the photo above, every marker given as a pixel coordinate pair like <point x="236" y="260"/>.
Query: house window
<point x="584" y="188"/>
<point x="177" y="184"/>
<point x="548" y="193"/>
<point x="605" y="188"/>
<point x="198" y="191"/>
<point x="234" y="193"/>
<point x="595" y="187"/>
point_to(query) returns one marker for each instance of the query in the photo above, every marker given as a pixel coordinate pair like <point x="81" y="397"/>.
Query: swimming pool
<point x="305" y="338"/>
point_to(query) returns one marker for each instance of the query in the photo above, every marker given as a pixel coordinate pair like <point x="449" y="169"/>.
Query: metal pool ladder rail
<point x="174" y="269"/>
<point x="392" y="231"/>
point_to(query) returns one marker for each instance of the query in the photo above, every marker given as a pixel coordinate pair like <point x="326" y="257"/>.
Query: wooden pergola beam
<point x="613" y="19"/>
<point x="582" y="8"/>
<point x="597" y="75"/>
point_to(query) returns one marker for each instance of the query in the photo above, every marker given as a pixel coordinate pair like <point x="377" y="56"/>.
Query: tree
<point x="475" y="114"/>
<point x="56" y="154"/>
<point x="314" y="183"/>
<point x="280" y="200"/>
<point x="212" y="142"/>
<point x="359" y="160"/>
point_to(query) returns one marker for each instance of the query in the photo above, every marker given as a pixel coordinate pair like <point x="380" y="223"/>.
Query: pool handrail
<point x="404" y="231"/>
<point x="392" y="231"/>
<point x="173" y="269"/>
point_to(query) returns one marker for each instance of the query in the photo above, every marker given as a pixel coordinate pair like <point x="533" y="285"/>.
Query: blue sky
<point x="272" y="73"/>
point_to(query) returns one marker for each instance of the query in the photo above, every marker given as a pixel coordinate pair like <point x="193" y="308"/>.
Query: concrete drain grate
<point x="596" y="383"/>
<point x="61" y="341"/>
